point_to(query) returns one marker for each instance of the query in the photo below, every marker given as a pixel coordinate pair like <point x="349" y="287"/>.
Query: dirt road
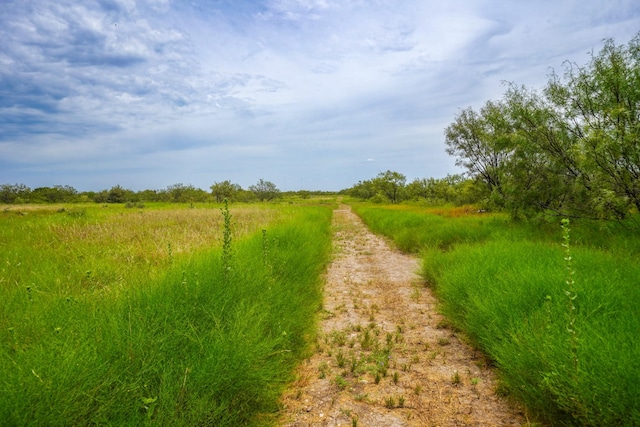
<point x="384" y="356"/>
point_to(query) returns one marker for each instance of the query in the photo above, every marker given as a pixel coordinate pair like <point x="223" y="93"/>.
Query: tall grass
<point x="89" y="248"/>
<point x="555" y="310"/>
<point x="187" y="348"/>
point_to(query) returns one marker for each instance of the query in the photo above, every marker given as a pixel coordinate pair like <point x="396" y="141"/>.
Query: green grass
<point x="510" y="288"/>
<point x="187" y="346"/>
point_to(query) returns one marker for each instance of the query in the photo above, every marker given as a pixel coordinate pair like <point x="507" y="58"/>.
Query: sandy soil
<point x="384" y="356"/>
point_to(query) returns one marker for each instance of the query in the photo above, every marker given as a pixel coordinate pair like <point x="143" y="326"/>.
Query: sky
<point x="307" y="94"/>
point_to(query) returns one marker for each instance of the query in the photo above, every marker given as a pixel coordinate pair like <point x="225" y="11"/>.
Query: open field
<point x="74" y="248"/>
<point x="153" y="316"/>
<point x="183" y="315"/>
<point x="555" y="308"/>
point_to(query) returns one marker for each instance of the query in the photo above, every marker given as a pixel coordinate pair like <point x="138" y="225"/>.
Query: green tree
<point x="265" y="190"/>
<point x="572" y="150"/>
<point x="600" y="103"/>
<point x="542" y="171"/>
<point x="481" y="142"/>
<point x="225" y="190"/>
<point x="148" y="195"/>
<point x="118" y="194"/>
<point x="362" y="190"/>
<point x="390" y="184"/>
<point x="437" y="191"/>
<point x="55" y="194"/>
<point x="180" y="193"/>
<point x="14" y="193"/>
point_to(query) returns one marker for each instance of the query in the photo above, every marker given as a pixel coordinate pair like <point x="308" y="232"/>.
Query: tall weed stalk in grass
<point x="226" y="242"/>
<point x="570" y="292"/>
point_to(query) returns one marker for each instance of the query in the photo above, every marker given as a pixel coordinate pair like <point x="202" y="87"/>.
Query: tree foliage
<point x="14" y="193"/>
<point x="265" y="190"/>
<point x="392" y="187"/>
<point x="225" y="190"/>
<point x="572" y="149"/>
<point x="180" y="193"/>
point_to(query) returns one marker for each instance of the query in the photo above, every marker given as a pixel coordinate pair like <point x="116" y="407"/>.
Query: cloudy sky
<point x="308" y="94"/>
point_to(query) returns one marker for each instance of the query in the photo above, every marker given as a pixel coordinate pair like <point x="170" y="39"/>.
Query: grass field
<point x="114" y="316"/>
<point x="555" y="307"/>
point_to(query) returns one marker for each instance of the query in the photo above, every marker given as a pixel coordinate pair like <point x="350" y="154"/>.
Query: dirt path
<point x="384" y="356"/>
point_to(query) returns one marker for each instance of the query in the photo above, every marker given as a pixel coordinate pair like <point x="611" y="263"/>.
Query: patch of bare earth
<point x="384" y="356"/>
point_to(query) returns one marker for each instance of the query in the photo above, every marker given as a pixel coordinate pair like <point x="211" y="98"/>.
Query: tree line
<point x="178" y="193"/>
<point x="392" y="187"/>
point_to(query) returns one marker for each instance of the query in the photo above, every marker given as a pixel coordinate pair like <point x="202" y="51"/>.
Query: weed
<point x="340" y="359"/>
<point x="354" y="364"/>
<point x="367" y="341"/>
<point x="149" y="406"/>
<point x="341" y="382"/>
<point x="339" y="338"/>
<point x="361" y="397"/>
<point x="346" y="412"/>
<point x="226" y="242"/>
<point x="400" y="401"/>
<point x="323" y="369"/>
<point x="395" y="377"/>
<point x="390" y="402"/>
<point x="442" y="341"/>
<point x="570" y="292"/>
<point x="455" y="378"/>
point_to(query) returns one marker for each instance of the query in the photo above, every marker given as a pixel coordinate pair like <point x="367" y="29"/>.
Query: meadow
<point x="163" y="315"/>
<point x="553" y="304"/>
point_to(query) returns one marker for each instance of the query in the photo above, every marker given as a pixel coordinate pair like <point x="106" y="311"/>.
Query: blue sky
<point x="308" y="94"/>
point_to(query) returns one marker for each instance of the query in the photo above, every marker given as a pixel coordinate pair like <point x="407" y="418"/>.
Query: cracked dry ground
<point x="384" y="356"/>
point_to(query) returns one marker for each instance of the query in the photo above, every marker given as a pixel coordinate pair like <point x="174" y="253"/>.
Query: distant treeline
<point x="177" y="193"/>
<point x="392" y="187"/>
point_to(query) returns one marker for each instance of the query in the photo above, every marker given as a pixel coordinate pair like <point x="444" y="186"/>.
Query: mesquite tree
<point x="573" y="149"/>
